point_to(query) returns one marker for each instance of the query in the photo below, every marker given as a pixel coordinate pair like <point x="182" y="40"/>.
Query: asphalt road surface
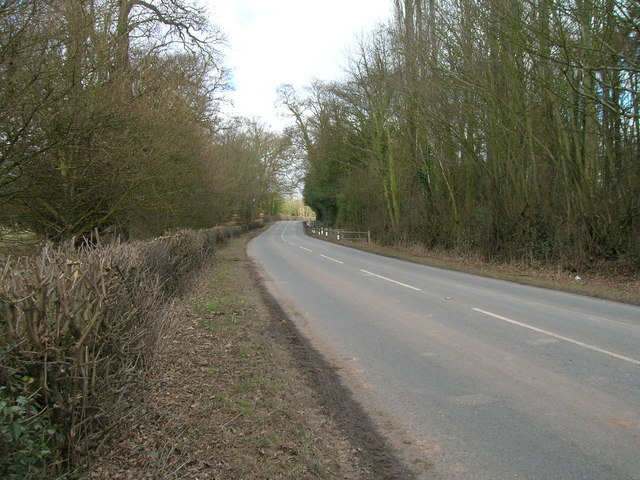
<point x="496" y="380"/>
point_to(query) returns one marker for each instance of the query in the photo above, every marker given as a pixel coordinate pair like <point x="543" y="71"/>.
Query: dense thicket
<point x="109" y="117"/>
<point x="509" y="128"/>
<point x="79" y="332"/>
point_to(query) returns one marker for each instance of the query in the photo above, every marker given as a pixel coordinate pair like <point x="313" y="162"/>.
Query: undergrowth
<point x="79" y="328"/>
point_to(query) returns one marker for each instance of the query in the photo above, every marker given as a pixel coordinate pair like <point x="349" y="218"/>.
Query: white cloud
<point x="288" y="41"/>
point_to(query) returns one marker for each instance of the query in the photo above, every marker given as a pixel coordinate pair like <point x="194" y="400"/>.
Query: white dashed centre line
<point x="283" y="231"/>
<point x="329" y="258"/>
<point x="306" y="249"/>
<point x="561" y="337"/>
<point x="391" y="280"/>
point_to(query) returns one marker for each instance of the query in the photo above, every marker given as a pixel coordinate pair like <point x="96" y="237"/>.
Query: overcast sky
<point x="272" y="42"/>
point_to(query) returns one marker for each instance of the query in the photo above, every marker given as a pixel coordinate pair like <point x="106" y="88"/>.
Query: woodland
<point x="508" y="129"/>
<point x="110" y="119"/>
<point x="505" y="129"/>
<point x="118" y="173"/>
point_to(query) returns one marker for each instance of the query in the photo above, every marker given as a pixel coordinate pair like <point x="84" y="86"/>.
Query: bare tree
<point x="82" y="117"/>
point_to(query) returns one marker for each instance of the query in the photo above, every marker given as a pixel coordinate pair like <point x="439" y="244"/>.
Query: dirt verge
<point x="599" y="281"/>
<point x="237" y="393"/>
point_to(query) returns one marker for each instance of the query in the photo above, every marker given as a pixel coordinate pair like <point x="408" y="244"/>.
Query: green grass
<point x="18" y="242"/>
<point x="268" y="424"/>
<point x="254" y="383"/>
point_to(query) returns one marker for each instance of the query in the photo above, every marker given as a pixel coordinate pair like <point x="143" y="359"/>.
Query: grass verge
<point x="619" y="288"/>
<point x="226" y="399"/>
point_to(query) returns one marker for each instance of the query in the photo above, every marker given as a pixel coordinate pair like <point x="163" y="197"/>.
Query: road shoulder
<point x="236" y="392"/>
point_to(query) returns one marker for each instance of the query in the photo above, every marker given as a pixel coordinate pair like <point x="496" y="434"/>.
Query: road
<point x="495" y="380"/>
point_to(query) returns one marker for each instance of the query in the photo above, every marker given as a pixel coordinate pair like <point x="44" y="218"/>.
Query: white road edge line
<point x="305" y="249"/>
<point x="390" y="280"/>
<point x="329" y="258"/>
<point x="561" y="337"/>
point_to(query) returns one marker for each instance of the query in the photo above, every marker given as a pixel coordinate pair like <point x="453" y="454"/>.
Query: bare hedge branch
<point x="84" y="324"/>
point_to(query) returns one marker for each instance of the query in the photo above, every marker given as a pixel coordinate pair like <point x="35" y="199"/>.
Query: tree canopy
<point x="109" y="116"/>
<point x="506" y="128"/>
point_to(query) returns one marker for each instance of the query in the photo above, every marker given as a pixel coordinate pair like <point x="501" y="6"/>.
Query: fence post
<point x="368" y="236"/>
<point x="338" y="235"/>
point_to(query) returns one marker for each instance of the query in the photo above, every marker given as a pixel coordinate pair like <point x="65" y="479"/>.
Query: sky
<point x="272" y="42"/>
